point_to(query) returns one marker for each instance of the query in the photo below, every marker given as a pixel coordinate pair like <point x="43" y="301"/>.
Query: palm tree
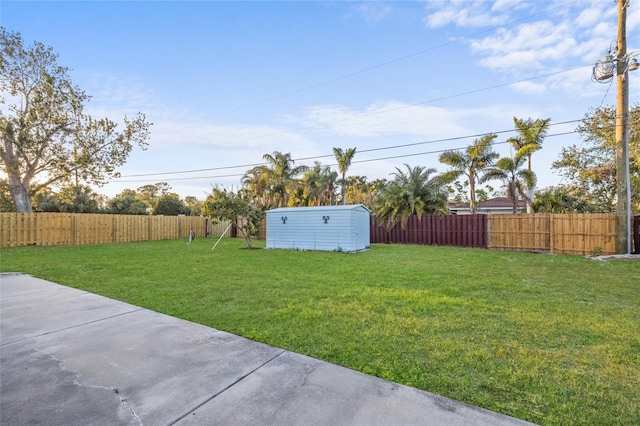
<point x="256" y="180"/>
<point x="516" y="179"/>
<point x="531" y="134"/>
<point x="78" y="199"/>
<point x="411" y="192"/>
<point x="476" y="159"/>
<point x="361" y="191"/>
<point x="561" y="199"/>
<point x="344" y="161"/>
<point x="329" y="183"/>
<point x="272" y="182"/>
<point x="319" y="185"/>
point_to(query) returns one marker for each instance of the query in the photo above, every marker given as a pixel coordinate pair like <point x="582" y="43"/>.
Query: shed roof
<point x="320" y="208"/>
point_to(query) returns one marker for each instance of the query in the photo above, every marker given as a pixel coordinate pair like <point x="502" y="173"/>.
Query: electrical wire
<point x="331" y="155"/>
<point x="353" y="162"/>
<point x="365" y="114"/>
<point x="389" y="62"/>
<point x="369" y="114"/>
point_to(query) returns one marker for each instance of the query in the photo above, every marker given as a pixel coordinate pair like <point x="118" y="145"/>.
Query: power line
<point x="331" y="155"/>
<point x="361" y="116"/>
<point x="439" y="151"/>
<point x="353" y="162"/>
<point x="368" y="114"/>
<point x="383" y="64"/>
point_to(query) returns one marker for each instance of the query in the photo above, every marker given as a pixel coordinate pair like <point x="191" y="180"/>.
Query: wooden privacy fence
<point x="574" y="233"/>
<point x="48" y="229"/>
<point x="451" y="230"/>
<point x="581" y="234"/>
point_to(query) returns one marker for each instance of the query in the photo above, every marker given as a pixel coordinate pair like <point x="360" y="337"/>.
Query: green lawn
<point x="545" y="338"/>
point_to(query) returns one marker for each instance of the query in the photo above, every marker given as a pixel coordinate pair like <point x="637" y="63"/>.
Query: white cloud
<point x="529" y="46"/>
<point x="529" y="88"/>
<point x="589" y="17"/>
<point x="372" y="12"/>
<point x="383" y="118"/>
<point x="556" y="37"/>
<point x="202" y="134"/>
<point x="465" y="13"/>
<point x="111" y="93"/>
<point x="633" y="18"/>
<point x="507" y="5"/>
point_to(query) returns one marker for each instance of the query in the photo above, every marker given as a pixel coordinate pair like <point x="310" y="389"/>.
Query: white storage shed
<point x="330" y="228"/>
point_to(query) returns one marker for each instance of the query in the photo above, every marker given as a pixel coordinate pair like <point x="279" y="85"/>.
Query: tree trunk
<point x="472" y="195"/>
<point x="20" y="196"/>
<point x="17" y="189"/>
<point x="529" y="201"/>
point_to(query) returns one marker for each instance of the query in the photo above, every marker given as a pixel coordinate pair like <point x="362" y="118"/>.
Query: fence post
<point x="74" y="229"/>
<point x="551" y="220"/>
<point x="636" y="234"/>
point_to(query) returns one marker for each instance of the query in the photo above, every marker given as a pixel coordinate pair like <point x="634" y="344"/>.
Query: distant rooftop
<point x="492" y="203"/>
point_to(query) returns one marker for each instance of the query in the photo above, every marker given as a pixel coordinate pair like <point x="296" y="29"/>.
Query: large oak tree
<point x="46" y="136"/>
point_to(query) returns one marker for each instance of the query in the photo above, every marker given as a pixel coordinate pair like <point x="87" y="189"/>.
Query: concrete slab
<point x="294" y="389"/>
<point x="30" y="307"/>
<point x="15" y="284"/>
<point x="68" y="357"/>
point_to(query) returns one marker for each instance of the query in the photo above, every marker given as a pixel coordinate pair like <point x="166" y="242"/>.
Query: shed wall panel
<point x="338" y="228"/>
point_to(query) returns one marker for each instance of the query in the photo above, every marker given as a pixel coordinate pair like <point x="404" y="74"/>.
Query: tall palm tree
<point x="256" y="180"/>
<point x="472" y="162"/>
<point x="280" y="173"/>
<point x="516" y="179"/>
<point x="411" y="192"/>
<point x="344" y="161"/>
<point x="531" y="134"/>
<point x="328" y="183"/>
<point x="310" y="186"/>
<point x="319" y="184"/>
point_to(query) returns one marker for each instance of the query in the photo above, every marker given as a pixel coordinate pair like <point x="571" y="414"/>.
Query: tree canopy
<point x="46" y="136"/>
<point x="411" y="192"/>
<point x="240" y="208"/>
<point x="273" y="183"/>
<point x="517" y="180"/>
<point x="170" y="205"/>
<point x="472" y="162"/>
<point x="344" y="158"/>
<point x="590" y="167"/>
<point x="531" y="134"/>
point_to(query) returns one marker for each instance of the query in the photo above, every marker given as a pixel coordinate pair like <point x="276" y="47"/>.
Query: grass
<point x="550" y="339"/>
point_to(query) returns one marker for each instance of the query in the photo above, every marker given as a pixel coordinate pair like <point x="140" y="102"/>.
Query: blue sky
<point x="225" y="82"/>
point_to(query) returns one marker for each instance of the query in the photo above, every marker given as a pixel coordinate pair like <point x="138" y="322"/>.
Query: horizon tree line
<point x="281" y="183"/>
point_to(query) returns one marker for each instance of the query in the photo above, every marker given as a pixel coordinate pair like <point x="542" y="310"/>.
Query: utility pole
<point x="603" y="72"/>
<point x="623" y="242"/>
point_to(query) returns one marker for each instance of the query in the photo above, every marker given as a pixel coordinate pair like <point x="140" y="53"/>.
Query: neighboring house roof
<point x="498" y="203"/>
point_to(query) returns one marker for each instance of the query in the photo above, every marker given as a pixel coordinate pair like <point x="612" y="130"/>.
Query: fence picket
<point x="581" y="234"/>
<point x="52" y="229"/>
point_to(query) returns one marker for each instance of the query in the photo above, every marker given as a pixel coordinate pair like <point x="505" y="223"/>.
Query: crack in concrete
<point x="73" y="326"/>
<point x="241" y="378"/>
<point x="112" y="389"/>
